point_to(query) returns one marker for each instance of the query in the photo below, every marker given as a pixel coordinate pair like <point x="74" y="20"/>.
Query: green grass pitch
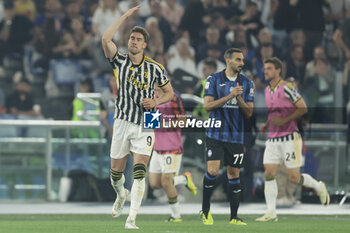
<point x="90" y="223"/>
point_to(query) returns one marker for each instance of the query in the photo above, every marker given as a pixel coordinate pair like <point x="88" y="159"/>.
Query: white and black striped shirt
<point x="135" y="82"/>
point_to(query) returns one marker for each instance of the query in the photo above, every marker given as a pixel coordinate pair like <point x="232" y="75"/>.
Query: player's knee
<point x="269" y="173"/>
<point x="139" y="171"/>
<point x="294" y="178"/>
<point x="233" y="173"/>
<point x="212" y="171"/>
<point x="154" y="185"/>
<point x="167" y="182"/>
<point x="115" y="175"/>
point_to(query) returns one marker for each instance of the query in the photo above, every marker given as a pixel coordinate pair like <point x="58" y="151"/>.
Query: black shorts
<point x="232" y="153"/>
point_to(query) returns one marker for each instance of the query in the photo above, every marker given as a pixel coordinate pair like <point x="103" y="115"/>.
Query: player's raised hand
<point x="132" y="11"/>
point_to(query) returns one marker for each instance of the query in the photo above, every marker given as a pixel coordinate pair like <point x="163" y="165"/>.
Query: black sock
<point x="208" y="188"/>
<point x="234" y="188"/>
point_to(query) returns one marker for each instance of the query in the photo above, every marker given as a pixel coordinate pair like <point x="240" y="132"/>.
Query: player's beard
<point x="237" y="70"/>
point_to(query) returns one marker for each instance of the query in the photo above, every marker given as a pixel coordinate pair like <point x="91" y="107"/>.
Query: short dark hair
<point x="275" y="61"/>
<point x="211" y="63"/>
<point x="229" y="52"/>
<point x="142" y="31"/>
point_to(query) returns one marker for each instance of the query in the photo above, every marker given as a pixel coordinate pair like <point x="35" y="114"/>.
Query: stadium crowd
<point x="53" y="44"/>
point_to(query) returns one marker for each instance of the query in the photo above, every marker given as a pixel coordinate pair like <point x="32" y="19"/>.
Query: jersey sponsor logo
<point x="137" y="83"/>
<point x="151" y="120"/>
<point x="222" y="84"/>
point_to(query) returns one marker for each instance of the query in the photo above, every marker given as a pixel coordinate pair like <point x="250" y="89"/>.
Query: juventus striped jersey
<point x="230" y="114"/>
<point x="135" y="82"/>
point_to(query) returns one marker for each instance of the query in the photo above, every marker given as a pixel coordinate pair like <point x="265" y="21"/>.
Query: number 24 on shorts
<point x="290" y="156"/>
<point x="238" y="157"/>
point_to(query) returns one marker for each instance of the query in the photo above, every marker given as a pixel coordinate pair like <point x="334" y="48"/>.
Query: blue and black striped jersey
<point x="230" y="115"/>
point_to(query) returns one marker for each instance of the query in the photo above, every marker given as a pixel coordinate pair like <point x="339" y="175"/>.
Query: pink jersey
<point x="280" y="103"/>
<point x="169" y="139"/>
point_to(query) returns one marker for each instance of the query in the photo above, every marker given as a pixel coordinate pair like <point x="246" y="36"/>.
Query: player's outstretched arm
<point x="109" y="48"/>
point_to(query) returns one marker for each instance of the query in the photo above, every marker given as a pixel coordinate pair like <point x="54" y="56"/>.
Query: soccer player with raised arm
<point x="229" y="97"/>
<point x="136" y="76"/>
<point x="284" y="144"/>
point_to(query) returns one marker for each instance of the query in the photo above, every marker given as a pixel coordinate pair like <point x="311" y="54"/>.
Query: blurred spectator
<point x="144" y="11"/>
<point x="172" y="12"/>
<point x="183" y="58"/>
<point x="192" y="20"/>
<point x="104" y="16"/>
<point x="311" y="21"/>
<point x="75" y="9"/>
<point x="209" y="68"/>
<point x="2" y="102"/>
<point x="266" y="51"/>
<point x="15" y="32"/>
<point x="268" y="10"/>
<point x="64" y="46"/>
<point x="219" y="21"/>
<point x="26" y="7"/>
<point x="342" y="37"/>
<point x="285" y="18"/>
<point x="319" y="93"/>
<point x="82" y="48"/>
<point x="295" y="63"/>
<point x="214" y="53"/>
<point x="297" y="37"/>
<point x="20" y="101"/>
<point x="284" y="21"/>
<point x="233" y="24"/>
<point x="172" y="51"/>
<point x="265" y="36"/>
<point x="80" y="109"/>
<point x="337" y="10"/>
<point x="223" y="8"/>
<point x="319" y="53"/>
<point x="251" y="21"/>
<point x="212" y="41"/>
<point x="163" y="24"/>
<point x="155" y="44"/>
<point x="53" y="9"/>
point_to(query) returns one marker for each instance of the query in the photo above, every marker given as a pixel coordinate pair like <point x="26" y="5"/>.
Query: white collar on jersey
<point x="231" y="78"/>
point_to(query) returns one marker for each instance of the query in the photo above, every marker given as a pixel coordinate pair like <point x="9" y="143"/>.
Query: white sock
<point x="271" y="195"/>
<point x="118" y="186"/>
<point x="311" y="182"/>
<point x="175" y="210"/>
<point x="137" y="191"/>
<point x="180" y="180"/>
